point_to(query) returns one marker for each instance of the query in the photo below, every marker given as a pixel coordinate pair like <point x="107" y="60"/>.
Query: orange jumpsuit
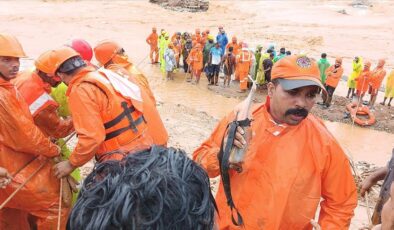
<point x="244" y="62"/>
<point x="20" y="142"/>
<point x="195" y="60"/>
<point x="377" y="77"/>
<point x="333" y="78"/>
<point x="41" y="105"/>
<point x="286" y="171"/>
<point x="362" y="82"/>
<point x="155" y="125"/>
<point x="154" y="49"/>
<point x="236" y="47"/>
<point x="93" y="107"/>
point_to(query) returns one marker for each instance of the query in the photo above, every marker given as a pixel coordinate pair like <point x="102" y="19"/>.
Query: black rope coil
<point x="159" y="188"/>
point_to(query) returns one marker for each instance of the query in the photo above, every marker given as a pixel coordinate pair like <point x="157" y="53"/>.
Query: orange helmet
<point x="58" y="57"/>
<point x="44" y="62"/>
<point x="83" y="48"/>
<point x="105" y="51"/>
<point x="10" y="46"/>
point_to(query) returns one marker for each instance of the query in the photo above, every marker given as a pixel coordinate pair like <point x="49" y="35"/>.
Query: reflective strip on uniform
<point x="39" y="102"/>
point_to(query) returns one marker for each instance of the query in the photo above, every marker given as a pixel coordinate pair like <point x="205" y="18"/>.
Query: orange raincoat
<point x="195" y="60"/>
<point x="152" y="41"/>
<point x="42" y="107"/>
<point x="92" y="107"/>
<point x="244" y="62"/>
<point x="333" y="78"/>
<point x="362" y="81"/>
<point x="286" y="172"/>
<point x="20" y="142"/>
<point x="236" y="47"/>
<point x="377" y="77"/>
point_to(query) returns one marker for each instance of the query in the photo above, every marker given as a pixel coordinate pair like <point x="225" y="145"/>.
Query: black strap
<point x="132" y="126"/>
<point x="117" y="119"/>
<point x="224" y="156"/>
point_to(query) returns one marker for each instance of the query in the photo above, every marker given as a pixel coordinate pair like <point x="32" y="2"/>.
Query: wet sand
<point x="190" y="112"/>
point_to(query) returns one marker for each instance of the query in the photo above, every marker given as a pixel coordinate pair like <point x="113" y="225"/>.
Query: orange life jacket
<point x="124" y="123"/>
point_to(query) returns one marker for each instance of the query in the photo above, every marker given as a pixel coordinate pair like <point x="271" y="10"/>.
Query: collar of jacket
<point x="270" y="125"/>
<point x="79" y="77"/>
<point x="6" y="84"/>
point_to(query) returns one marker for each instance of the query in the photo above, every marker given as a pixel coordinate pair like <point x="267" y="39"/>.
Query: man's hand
<point x="239" y="140"/>
<point x="366" y="185"/>
<point x="5" y="177"/>
<point x="63" y="169"/>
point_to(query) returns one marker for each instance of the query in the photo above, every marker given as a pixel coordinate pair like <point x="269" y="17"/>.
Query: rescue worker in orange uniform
<point x="243" y="64"/>
<point x="23" y="150"/>
<point x="35" y="87"/>
<point x="107" y="110"/>
<point x="152" y="41"/>
<point x="195" y="60"/>
<point x="177" y="42"/>
<point x="111" y="56"/>
<point x="198" y="36"/>
<point x="236" y="47"/>
<point x="334" y="74"/>
<point x="291" y="162"/>
<point x="377" y="77"/>
<point x="362" y="81"/>
<point x="107" y="52"/>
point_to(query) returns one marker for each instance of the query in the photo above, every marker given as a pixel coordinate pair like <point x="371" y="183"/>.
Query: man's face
<point x="338" y="64"/>
<point x="52" y="80"/>
<point x="292" y="106"/>
<point x="366" y="67"/>
<point x="9" y="67"/>
<point x="221" y="30"/>
<point x="356" y="59"/>
<point x="217" y="45"/>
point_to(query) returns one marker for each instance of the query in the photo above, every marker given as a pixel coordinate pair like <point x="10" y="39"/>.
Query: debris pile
<point x="183" y="5"/>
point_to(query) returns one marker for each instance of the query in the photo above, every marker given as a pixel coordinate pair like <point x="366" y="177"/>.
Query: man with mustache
<point x="292" y="163"/>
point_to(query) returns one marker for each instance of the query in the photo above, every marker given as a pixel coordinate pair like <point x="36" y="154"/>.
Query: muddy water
<point x="193" y="96"/>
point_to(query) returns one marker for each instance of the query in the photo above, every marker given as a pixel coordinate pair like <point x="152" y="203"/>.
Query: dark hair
<point x="160" y="188"/>
<point x="282" y="50"/>
<point x="323" y="55"/>
<point x="71" y="65"/>
<point x="42" y="74"/>
<point x="270" y="51"/>
<point x="275" y="82"/>
<point x="288" y="52"/>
